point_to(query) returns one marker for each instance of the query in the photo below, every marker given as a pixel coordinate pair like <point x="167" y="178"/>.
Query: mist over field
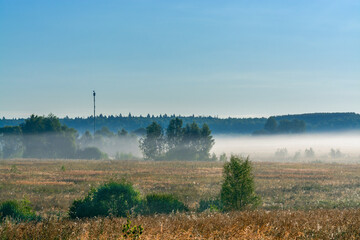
<point x="320" y="147"/>
<point x="330" y="147"/>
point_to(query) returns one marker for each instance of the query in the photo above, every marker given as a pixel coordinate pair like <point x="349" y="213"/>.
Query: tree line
<point x="315" y="122"/>
<point x="46" y="137"/>
<point x="284" y="126"/>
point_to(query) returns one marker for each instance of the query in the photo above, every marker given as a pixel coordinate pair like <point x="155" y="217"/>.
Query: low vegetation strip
<point x="314" y="224"/>
<point x="280" y="185"/>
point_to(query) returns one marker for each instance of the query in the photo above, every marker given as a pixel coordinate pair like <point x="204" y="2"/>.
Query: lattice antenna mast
<point x="94" y="94"/>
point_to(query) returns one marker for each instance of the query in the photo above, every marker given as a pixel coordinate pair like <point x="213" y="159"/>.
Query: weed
<point x="131" y="232"/>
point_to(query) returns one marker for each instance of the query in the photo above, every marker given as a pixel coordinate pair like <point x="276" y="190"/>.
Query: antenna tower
<point x="94" y="94"/>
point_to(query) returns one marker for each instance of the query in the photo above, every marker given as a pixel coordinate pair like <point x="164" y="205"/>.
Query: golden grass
<point x="301" y="198"/>
<point x="315" y="224"/>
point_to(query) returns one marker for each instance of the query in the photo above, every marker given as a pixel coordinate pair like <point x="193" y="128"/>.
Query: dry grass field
<point x="299" y="200"/>
<point x="314" y="224"/>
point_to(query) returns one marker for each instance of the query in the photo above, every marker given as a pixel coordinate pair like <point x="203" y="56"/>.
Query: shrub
<point x="91" y="153"/>
<point x="238" y="190"/>
<point x="115" y="199"/>
<point x="163" y="203"/>
<point x="17" y="210"/>
<point x="212" y="205"/>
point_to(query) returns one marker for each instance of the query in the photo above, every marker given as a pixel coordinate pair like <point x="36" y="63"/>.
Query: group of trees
<point x="38" y="137"/>
<point x="178" y="143"/>
<point x="46" y="137"/>
<point x="43" y="137"/>
<point x="284" y="126"/>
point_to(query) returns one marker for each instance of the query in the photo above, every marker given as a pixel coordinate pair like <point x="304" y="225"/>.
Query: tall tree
<point x="206" y="142"/>
<point x="153" y="144"/>
<point x="174" y="133"/>
<point x="238" y="188"/>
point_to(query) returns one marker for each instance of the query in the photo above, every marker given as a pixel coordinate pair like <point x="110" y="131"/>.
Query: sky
<point x="218" y="58"/>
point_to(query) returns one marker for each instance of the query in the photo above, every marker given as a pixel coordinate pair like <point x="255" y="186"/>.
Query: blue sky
<point x="225" y="58"/>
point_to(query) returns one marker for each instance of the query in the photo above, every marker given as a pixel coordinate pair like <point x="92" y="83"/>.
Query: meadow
<point x="299" y="200"/>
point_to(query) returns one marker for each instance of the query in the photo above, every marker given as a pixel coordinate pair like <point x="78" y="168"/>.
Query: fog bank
<point x="329" y="147"/>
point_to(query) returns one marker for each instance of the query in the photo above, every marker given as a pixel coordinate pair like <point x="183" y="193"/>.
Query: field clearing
<point x="52" y="185"/>
<point x="299" y="200"/>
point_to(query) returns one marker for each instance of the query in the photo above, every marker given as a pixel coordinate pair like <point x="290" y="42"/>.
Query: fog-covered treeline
<point x="46" y="137"/>
<point x="315" y="122"/>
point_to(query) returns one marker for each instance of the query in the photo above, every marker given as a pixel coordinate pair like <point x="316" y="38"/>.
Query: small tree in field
<point x="238" y="189"/>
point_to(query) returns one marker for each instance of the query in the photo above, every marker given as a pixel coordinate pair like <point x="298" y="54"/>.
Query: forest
<point x="315" y="122"/>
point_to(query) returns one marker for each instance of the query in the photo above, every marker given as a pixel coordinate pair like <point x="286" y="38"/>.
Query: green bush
<point x="238" y="189"/>
<point x="17" y="210"/>
<point x="163" y="203"/>
<point x="213" y="205"/>
<point x="115" y="199"/>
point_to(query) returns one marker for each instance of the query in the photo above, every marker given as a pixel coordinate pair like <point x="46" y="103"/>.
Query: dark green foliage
<point x="213" y="205"/>
<point x="115" y="199"/>
<point x="163" y="203"/>
<point x="17" y="210"/>
<point x="238" y="189"/>
<point x="91" y="153"/>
